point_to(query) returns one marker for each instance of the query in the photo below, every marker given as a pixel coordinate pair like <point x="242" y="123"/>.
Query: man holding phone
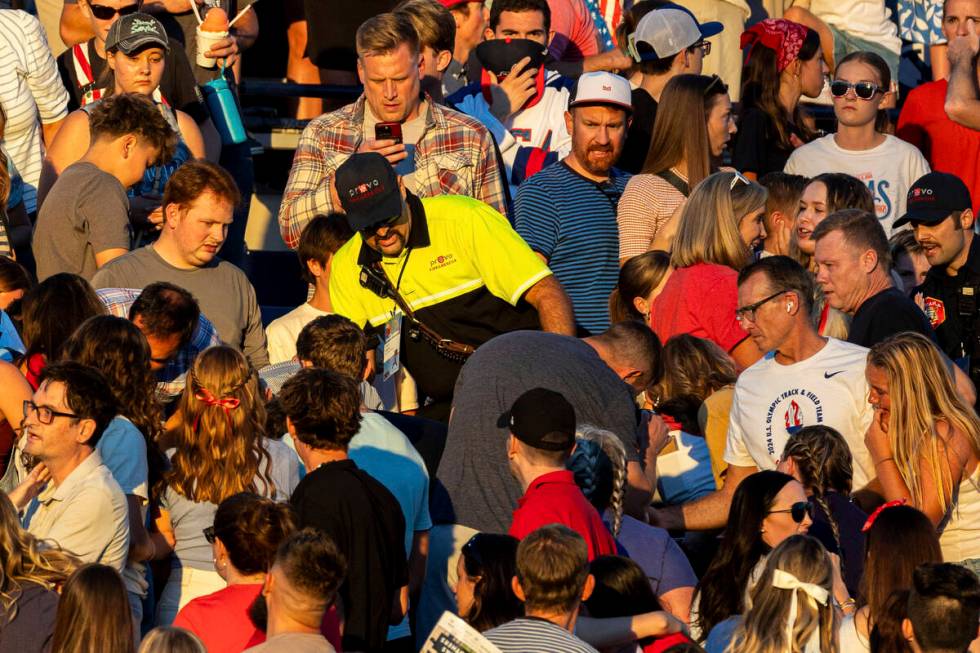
<point x="435" y="150"/>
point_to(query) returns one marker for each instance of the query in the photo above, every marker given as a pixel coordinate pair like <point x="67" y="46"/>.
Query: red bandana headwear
<point x="782" y="36"/>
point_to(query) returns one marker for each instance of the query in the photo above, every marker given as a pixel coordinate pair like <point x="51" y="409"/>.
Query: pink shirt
<point x="576" y="36"/>
<point x="700" y="300"/>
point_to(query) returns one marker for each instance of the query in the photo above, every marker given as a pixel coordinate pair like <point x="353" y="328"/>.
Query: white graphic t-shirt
<point x="888" y="170"/>
<point x="773" y="401"/>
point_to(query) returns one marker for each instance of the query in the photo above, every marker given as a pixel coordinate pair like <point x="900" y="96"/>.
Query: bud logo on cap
<point x="607" y="88"/>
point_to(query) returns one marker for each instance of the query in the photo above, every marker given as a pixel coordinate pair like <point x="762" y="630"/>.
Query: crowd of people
<point x="608" y="344"/>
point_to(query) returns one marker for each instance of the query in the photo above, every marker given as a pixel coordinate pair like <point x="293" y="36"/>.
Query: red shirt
<point x="554" y="498"/>
<point x="700" y="300"/>
<point x="221" y="620"/>
<point x="948" y="146"/>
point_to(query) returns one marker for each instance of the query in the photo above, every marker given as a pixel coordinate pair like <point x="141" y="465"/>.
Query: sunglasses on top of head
<point x="864" y="90"/>
<point x="104" y="12"/>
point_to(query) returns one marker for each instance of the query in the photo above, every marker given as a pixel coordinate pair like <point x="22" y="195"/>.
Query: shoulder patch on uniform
<point x="935" y="311"/>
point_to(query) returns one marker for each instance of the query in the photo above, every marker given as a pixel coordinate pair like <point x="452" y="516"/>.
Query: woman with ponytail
<point x="819" y="458"/>
<point x="219" y="449"/>
<point x="899" y="538"/>
<point x="599" y="465"/>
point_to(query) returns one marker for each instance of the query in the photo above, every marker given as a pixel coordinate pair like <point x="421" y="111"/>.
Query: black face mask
<point x="258" y="612"/>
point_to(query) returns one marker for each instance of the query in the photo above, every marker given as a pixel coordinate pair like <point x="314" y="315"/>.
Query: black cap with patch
<point x="368" y="189"/>
<point x="933" y="197"/>
<point x="543" y="419"/>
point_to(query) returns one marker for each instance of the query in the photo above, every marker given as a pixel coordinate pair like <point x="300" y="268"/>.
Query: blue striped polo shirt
<point x="571" y="221"/>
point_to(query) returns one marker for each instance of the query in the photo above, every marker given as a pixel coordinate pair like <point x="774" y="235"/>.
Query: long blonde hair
<point x="219" y="441"/>
<point x="922" y="393"/>
<point x="25" y="559"/>
<point x="708" y="228"/>
<point x="763" y="629"/>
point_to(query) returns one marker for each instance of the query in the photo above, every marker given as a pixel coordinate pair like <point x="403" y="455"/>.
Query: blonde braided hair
<point x="586" y="463"/>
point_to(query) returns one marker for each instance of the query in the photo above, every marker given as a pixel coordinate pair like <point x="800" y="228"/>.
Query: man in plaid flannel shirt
<point x="172" y="354"/>
<point x="441" y="151"/>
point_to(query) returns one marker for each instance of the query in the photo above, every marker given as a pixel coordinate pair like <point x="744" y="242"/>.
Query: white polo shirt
<point x="86" y="515"/>
<point x="773" y="401"/>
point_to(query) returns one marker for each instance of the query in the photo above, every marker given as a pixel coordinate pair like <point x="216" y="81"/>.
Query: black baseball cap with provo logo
<point x="933" y="197"/>
<point x="368" y="189"/>
<point x="542" y="419"/>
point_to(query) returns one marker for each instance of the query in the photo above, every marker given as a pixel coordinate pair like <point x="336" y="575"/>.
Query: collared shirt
<point x="172" y="378"/>
<point x="554" y="498"/>
<point x="455" y="156"/>
<point x="941" y="298"/>
<point x="464" y="272"/>
<point x="86" y="515"/>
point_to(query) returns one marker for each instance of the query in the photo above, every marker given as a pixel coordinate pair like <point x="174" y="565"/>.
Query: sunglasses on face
<point x="103" y="12"/>
<point x="798" y="511"/>
<point x="864" y="90"/>
<point x="209" y="534"/>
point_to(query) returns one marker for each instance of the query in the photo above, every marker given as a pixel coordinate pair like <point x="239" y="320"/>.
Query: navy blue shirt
<point x="571" y="221"/>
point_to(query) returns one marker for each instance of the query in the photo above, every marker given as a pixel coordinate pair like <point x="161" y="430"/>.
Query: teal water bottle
<point x="224" y="110"/>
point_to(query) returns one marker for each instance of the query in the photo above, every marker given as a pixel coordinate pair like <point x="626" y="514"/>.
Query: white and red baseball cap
<point x="602" y="88"/>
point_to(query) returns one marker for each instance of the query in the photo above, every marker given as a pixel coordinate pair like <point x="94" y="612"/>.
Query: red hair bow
<point x="784" y="37"/>
<point x="227" y="404"/>
<point x="873" y="516"/>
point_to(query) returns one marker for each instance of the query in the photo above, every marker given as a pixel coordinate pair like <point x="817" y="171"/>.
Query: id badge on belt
<point x="392" y="346"/>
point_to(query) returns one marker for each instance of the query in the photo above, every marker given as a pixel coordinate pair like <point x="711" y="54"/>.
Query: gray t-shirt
<point x="222" y="290"/>
<point x="189" y="518"/>
<point x="474" y="469"/>
<point x="85" y="212"/>
<point x="294" y="643"/>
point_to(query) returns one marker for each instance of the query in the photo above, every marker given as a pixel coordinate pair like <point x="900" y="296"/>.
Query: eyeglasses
<point x="705" y="47"/>
<point x="45" y="415"/>
<point x="864" y="90"/>
<point x="737" y="179"/>
<point x="104" y="12"/>
<point x="798" y="511"/>
<point x="748" y="312"/>
<point x="209" y="534"/>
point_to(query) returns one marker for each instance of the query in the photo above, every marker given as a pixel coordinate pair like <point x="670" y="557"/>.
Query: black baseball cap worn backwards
<point x="933" y="197"/>
<point x="368" y="189"/>
<point x="543" y="419"/>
